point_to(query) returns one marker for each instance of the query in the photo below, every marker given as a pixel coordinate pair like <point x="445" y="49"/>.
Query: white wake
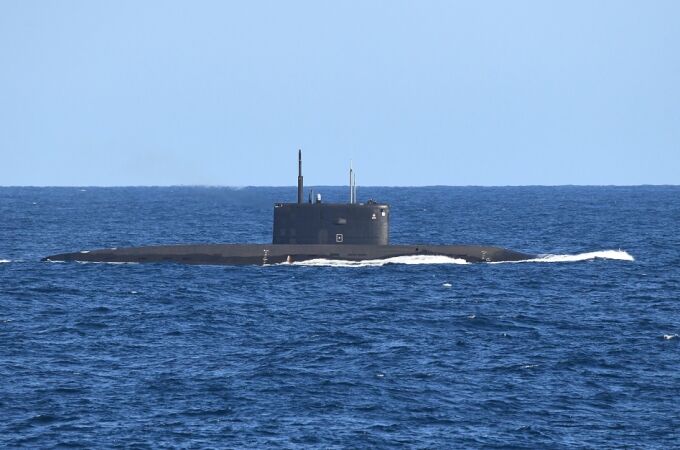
<point x="5" y="261"/>
<point x="602" y="254"/>
<point x="439" y="259"/>
<point x="410" y="260"/>
<point x="106" y="262"/>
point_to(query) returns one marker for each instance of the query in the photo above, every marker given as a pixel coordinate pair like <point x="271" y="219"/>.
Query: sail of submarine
<point x="303" y="231"/>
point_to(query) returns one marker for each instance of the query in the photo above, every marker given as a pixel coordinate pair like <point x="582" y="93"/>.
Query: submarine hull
<point x="262" y="254"/>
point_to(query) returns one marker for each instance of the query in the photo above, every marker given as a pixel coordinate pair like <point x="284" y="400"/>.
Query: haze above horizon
<point x="415" y="93"/>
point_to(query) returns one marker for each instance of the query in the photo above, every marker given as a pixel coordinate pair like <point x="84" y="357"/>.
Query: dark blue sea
<point x="577" y="349"/>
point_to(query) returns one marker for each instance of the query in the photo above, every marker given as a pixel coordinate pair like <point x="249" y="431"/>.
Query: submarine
<point x="303" y="231"/>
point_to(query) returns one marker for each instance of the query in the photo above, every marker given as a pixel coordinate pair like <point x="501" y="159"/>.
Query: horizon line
<point x="329" y="185"/>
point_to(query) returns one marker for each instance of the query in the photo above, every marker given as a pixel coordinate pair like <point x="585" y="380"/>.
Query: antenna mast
<point x="299" y="196"/>
<point x="351" y="189"/>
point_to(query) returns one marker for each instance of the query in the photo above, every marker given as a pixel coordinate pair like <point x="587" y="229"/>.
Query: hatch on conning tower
<point x="331" y="223"/>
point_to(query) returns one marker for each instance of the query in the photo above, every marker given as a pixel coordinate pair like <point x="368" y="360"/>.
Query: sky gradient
<point x="415" y="93"/>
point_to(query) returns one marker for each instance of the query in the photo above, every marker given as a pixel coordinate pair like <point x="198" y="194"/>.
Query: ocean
<point x="578" y="348"/>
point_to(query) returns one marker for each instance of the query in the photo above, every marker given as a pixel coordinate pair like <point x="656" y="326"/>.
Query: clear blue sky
<point x="415" y="92"/>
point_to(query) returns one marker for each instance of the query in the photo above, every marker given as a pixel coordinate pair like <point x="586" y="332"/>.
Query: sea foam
<point x="107" y="262"/>
<point x="439" y="259"/>
<point x="602" y="254"/>
<point x="409" y="260"/>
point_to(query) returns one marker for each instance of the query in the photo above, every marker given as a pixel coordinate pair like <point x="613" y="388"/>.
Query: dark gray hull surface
<point x="261" y="254"/>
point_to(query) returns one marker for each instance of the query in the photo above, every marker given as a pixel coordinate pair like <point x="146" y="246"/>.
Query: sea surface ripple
<point x="578" y="348"/>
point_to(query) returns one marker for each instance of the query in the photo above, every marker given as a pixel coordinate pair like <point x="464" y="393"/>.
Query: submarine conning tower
<point x="316" y="222"/>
